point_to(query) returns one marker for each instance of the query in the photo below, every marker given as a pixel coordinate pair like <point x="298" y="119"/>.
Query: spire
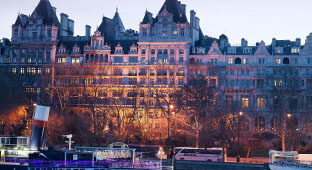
<point x="118" y="22"/>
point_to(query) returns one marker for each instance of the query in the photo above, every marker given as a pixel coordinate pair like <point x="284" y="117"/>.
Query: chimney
<point x="88" y="31"/>
<point x="298" y="42"/>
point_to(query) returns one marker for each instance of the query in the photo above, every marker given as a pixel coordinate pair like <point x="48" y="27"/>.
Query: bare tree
<point x="197" y="99"/>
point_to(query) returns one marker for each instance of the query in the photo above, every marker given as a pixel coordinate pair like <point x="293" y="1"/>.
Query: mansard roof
<point x="46" y="11"/>
<point x="107" y="28"/>
<point x="148" y="18"/>
<point x="174" y="8"/>
<point x="126" y="44"/>
<point x="117" y="21"/>
<point x="70" y="44"/>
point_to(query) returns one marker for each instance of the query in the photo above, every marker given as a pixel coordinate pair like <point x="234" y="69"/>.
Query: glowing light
<point x="241" y="113"/>
<point x="171" y="106"/>
<point x="289" y="115"/>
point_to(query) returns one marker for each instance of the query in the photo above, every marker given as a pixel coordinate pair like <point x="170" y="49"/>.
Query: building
<point x="120" y="66"/>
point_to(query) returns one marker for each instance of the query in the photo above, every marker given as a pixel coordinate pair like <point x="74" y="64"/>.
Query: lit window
<point x="47" y="71"/>
<point x="295" y="50"/>
<point x="75" y="60"/>
<point x="278" y="61"/>
<point x="22" y="71"/>
<point x="175" y="32"/>
<point x="61" y="60"/>
<point x="260" y="102"/>
<point x="230" y="60"/>
<point x="245" y="60"/>
<point x="13" y="70"/>
<point x="39" y="71"/>
<point x="245" y="101"/>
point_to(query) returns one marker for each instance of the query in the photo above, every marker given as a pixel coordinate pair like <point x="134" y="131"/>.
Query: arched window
<point x="286" y="60"/>
<point x="143" y="51"/>
<point x="153" y="51"/>
<point x="259" y="123"/>
<point x="238" y="61"/>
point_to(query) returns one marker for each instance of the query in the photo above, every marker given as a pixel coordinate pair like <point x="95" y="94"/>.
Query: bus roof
<point x="198" y="148"/>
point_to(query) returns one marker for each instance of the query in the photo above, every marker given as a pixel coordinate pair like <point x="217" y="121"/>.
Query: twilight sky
<point x="254" y="20"/>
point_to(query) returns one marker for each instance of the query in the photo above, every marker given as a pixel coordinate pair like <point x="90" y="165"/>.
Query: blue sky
<point x="254" y="20"/>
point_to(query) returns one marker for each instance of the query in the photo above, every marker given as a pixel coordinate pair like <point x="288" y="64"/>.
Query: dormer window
<point x="247" y="51"/>
<point x="231" y="50"/>
<point x="182" y="32"/>
<point x="279" y="50"/>
<point x="295" y="50"/>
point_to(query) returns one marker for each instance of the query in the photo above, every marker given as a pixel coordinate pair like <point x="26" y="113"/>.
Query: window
<point x="118" y="59"/>
<point x="245" y="60"/>
<point x="75" y="61"/>
<point x="229" y="101"/>
<point x="153" y="51"/>
<point x="309" y="101"/>
<point x="261" y="60"/>
<point x="133" y="59"/>
<point x="13" y="70"/>
<point x="230" y="60"/>
<point x="174" y="32"/>
<point x="182" y="32"/>
<point x="117" y="72"/>
<point x="39" y="71"/>
<point x="181" y="59"/>
<point x="144" y="30"/>
<point x="164" y="33"/>
<point x="61" y="60"/>
<point x="286" y="60"/>
<point x="143" y="52"/>
<point x="259" y="123"/>
<point x="238" y="61"/>
<point x="172" y="52"/>
<point x="295" y="50"/>
<point x="278" y="61"/>
<point x="181" y="51"/>
<point x="31" y="71"/>
<point x="309" y="61"/>
<point x="132" y="72"/>
<point x="181" y="82"/>
<point x="245" y="101"/>
<point x="47" y="71"/>
<point x="34" y="34"/>
<point x="260" y="102"/>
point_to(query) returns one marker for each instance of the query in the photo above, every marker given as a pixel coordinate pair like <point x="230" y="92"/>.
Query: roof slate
<point x="173" y="7"/>
<point x="46" y="11"/>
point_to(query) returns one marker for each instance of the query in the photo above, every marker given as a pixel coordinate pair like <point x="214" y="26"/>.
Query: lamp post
<point x="169" y="113"/>
<point x="240" y="114"/>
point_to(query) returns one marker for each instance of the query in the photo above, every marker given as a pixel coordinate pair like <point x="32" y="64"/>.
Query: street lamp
<point x="289" y="115"/>
<point x="240" y="114"/>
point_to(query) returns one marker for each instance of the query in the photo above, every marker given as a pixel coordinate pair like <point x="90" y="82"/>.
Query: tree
<point x="284" y="92"/>
<point x="197" y="99"/>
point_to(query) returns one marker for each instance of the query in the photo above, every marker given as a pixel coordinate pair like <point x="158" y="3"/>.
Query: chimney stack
<point x="88" y="31"/>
